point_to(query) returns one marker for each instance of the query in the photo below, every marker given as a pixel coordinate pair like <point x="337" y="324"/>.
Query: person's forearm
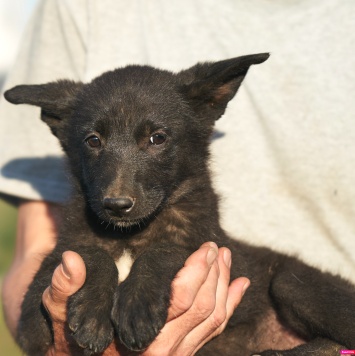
<point x="35" y="237"/>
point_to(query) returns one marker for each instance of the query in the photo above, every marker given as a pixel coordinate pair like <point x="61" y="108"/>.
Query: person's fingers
<point x="176" y="330"/>
<point x="67" y="278"/>
<point x="236" y="291"/>
<point x="209" y="322"/>
<point x="201" y="309"/>
<point x="227" y="299"/>
<point x="190" y="278"/>
<point x="200" y="268"/>
<point x="220" y="311"/>
<point x="228" y="295"/>
<point x="210" y="302"/>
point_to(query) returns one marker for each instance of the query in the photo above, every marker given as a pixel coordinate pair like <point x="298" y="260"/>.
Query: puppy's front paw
<point x="90" y="322"/>
<point x="138" y="315"/>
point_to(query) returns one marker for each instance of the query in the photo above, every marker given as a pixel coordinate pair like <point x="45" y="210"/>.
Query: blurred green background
<point x="7" y="239"/>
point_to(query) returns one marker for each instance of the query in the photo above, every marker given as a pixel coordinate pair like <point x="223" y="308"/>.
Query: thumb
<point x="67" y="279"/>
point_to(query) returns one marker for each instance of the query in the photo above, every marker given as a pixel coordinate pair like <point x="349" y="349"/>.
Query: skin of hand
<point x="202" y="299"/>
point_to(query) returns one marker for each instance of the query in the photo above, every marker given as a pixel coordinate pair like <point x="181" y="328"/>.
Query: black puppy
<point x="137" y="140"/>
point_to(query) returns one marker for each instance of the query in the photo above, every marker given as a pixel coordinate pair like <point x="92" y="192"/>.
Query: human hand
<point x="201" y="305"/>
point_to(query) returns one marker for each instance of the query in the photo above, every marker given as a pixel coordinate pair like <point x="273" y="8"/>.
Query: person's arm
<point x="35" y="237"/>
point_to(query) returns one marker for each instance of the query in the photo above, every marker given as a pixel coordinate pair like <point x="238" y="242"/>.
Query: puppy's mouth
<point x="128" y="223"/>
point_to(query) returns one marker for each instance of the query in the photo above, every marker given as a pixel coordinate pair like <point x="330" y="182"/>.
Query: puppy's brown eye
<point x="93" y="141"/>
<point x="157" y="138"/>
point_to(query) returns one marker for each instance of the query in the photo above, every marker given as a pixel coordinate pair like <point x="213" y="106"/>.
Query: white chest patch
<point x="124" y="264"/>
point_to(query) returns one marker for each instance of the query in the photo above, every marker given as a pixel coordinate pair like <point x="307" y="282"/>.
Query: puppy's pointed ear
<point x="55" y="99"/>
<point x="210" y="86"/>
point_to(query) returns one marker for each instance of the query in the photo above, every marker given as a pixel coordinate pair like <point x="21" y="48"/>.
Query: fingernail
<point x="245" y="287"/>
<point x="211" y="255"/>
<point x="227" y="257"/>
<point x="65" y="269"/>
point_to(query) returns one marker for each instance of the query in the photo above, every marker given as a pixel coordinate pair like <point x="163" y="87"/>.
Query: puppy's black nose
<point x="119" y="205"/>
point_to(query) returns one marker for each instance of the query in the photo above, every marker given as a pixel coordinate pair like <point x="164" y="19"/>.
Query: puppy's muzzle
<point x="119" y="206"/>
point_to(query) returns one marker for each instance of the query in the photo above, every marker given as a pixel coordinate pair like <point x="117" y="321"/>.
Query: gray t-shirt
<point x="284" y="156"/>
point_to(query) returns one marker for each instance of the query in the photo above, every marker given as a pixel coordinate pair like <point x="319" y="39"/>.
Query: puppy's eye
<point x="93" y="141"/>
<point x="157" y="138"/>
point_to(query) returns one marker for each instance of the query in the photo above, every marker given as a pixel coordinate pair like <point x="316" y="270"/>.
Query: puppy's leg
<point x="34" y="331"/>
<point x="89" y="309"/>
<point x="315" y="304"/>
<point x="142" y="300"/>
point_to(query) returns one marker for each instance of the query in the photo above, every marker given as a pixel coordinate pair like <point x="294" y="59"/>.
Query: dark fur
<point x="174" y="212"/>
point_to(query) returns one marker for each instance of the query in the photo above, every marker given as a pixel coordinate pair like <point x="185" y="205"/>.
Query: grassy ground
<point x="7" y="238"/>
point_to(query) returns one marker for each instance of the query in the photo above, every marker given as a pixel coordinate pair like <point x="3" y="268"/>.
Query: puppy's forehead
<point x="131" y="95"/>
<point x="133" y="81"/>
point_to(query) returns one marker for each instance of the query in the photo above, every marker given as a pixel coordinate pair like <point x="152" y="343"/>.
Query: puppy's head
<point x="135" y="134"/>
